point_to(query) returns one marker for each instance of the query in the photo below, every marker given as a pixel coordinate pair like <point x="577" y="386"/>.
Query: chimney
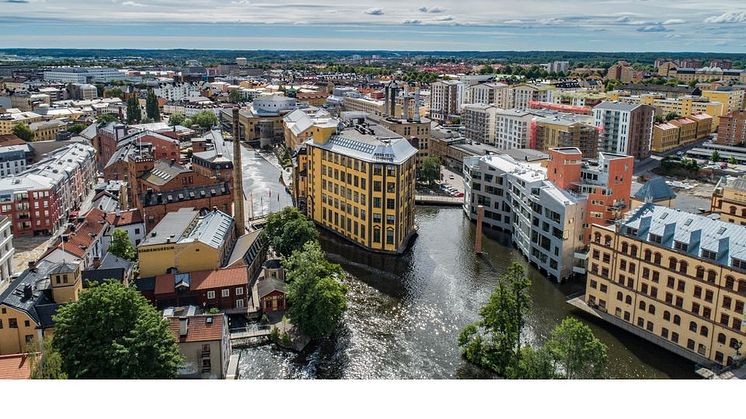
<point x="183" y="326"/>
<point x="416" y="112"/>
<point x="28" y="292"/>
<point x="238" y="199"/>
<point x="405" y="103"/>
<point x="32" y="265"/>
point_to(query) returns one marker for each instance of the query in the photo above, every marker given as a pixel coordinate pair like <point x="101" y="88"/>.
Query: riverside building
<point x="360" y="184"/>
<point x="674" y="278"/>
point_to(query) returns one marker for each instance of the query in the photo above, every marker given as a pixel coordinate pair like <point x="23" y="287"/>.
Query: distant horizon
<point x="717" y="26"/>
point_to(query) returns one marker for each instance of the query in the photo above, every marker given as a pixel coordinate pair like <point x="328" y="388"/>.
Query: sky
<point x="445" y="25"/>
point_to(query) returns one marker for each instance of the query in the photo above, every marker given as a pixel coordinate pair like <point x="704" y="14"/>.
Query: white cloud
<point x="433" y="9"/>
<point x="444" y="18"/>
<point x="728" y="17"/>
<point x="551" y="21"/>
<point x="674" y="22"/>
<point x="513" y="22"/>
<point x="132" y="3"/>
<point x="375" y="11"/>
<point x="412" y="21"/>
<point x="653" y="28"/>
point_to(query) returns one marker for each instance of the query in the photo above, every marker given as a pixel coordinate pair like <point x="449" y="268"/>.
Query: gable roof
<point x="268" y="285"/>
<point x="85" y="233"/>
<point x="200" y="328"/>
<point x="202" y="280"/>
<point x="124" y="218"/>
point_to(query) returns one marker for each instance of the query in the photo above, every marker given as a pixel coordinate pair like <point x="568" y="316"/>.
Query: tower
<point x="238" y="213"/>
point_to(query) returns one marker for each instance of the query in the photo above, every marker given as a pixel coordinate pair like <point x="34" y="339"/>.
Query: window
<point x="619" y="296"/>
<point x="651" y="309"/>
<point x="667" y="315"/>
<point x="13" y="323"/>
<point x="690" y="344"/>
<point x="239" y="303"/>
<point x="672" y="262"/>
<point x="721" y="338"/>
<point x="703" y="331"/>
<point x="692" y="326"/>
<point x="726" y="302"/>
<point x="676" y="319"/>
<point x="724" y="319"/>
<point x="674" y="337"/>
<point x="239" y="291"/>
<point x="642" y="305"/>
<point x="664" y="333"/>
<point x="628" y="299"/>
<point x="210" y="295"/>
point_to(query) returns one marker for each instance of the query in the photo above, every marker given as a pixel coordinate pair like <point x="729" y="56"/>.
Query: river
<point x="405" y="313"/>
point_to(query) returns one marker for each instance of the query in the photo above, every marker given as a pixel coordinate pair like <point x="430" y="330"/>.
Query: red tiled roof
<point x="205" y="280"/>
<point x="10" y="139"/>
<point x="132" y="216"/>
<point x="82" y="238"/>
<point x="15" y="367"/>
<point x="198" y="329"/>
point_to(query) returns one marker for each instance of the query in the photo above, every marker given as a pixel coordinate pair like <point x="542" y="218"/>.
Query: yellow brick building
<point x="729" y="200"/>
<point x="683" y="106"/>
<point x="732" y="100"/>
<point x="361" y="185"/>
<point x="185" y="241"/>
<point x="674" y="278"/>
<point x="31" y="300"/>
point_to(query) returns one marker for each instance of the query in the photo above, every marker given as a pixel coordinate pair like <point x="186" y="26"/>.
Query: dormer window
<point x="656" y="238"/>
<point x="709" y="254"/>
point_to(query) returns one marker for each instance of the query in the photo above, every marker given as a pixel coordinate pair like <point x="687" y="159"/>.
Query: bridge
<point x="438" y="200"/>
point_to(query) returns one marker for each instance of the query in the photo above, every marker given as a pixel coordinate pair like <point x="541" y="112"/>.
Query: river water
<point x="405" y="313"/>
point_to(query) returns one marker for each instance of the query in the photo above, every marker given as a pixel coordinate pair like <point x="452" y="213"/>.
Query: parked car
<point x="460" y="195"/>
<point x="451" y="177"/>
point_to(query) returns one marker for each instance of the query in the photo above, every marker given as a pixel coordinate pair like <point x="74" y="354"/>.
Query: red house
<point x="224" y="289"/>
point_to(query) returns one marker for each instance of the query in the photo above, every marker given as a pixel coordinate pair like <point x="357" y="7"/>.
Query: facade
<point x="682" y="105"/>
<point x="512" y="128"/>
<point x="204" y="343"/>
<point x="83" y="75"/>
<point x="80" y="91"/>
<point x="625" y="129"/>
<point x="224" y="289"/>
<point x="446" y="98"/>
<point x="729" y="200"/>
<point x="522" y="95"/>
<point x="479" y="122"/>
<point x="39" y="199"/>
<point x="498" y="94"/>
<point x="361" y="185"/>
<point x="177" y="92"/>
<point x="732" y="99"/>
<point x="621" y="71"/>
<point x="732" y="129"/>
<point x="15" y="158"/>
<point x="549" y="130"/>
<point x="680" y="132"/>
<point x="187" y="241"/>
<point x="703" y="74"/>
<point x="546" y="222"/>
<point x="6" y="251"/>
<point x="47" y="130"/>
<point x="10" y="120"/>
<point x="674" y="278"/>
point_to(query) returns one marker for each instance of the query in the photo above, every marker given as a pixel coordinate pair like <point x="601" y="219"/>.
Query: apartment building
<point x="683" y="105"/>
<point x="512" y="128"/>
<point x="625" y="128"/>
<point x="732" y="129"/>
<point x="524" y="94"/>
<point x="546" y="222"/>
<point x="621" y="71"/>
<point x="498" y="94"/>
<point x="558" y="129"/>
<point x="680" y="132"/>
<point x="446" y="98"/>
<point x="11" y="119"/>
<point x="299" y="125"/>
<point x="731" y="99"/>
<point x="729" y="199"/>
<point x="703" y="74"/>
<point x="204" y="344"/>
<point x="674" y="278"/>
<point x="47" y="130"/>
<point x="479" y="122"/>
<point x="39" y="199"/>
<point x="361" y="184"/>
<point x="177" y="92"/>
<point x="15" y="158"/>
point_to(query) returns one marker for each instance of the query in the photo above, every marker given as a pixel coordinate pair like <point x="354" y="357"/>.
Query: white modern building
<point x="84" y="74"/>
<point x="497" y="94"/>
<point x="511" y="128"/>
<point x="479" y="122"/>
<point x="624" y="128"/>
<point x="545" y="222"/>
<point x="446" y="98"/>
<point x="6" y="251"/>
<point x="177" y="92"/>
<point x="13" y="159"/>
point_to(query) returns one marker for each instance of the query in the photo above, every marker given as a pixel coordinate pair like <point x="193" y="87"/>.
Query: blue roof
<point x="654" y="190"/>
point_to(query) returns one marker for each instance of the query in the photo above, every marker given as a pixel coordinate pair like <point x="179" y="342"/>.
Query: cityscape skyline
<point x="633" y="25"/>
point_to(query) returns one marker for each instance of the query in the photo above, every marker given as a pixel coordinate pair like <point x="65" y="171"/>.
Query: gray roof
<point x="163" y="171"/>
<point x="267" y="285"/>
<point x="376" y="144"/>
<point x="698" y="232"/>
<point x="41" y="294"/>
<point x="150" y="198"/>
<point x="171" y="227"/>
<point x="617" y="106"/>
<point x="655" y="190"/>
<point x="211" y="229"/>
<point x="246" y="248"/>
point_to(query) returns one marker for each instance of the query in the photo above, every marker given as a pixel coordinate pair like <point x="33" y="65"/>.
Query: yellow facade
<point x="19" y="332"/>
<point x="7" y="122"/>
<point x="194" y="256"/>
<point x="682" y="106"/>
<point x="732" y="100"/>
<point x="730" y="202"/>
<point x="370" y="204"/>
<point x="690" y="302"/>
<point x="665" y="137"/>
<point x="66" y="286"/>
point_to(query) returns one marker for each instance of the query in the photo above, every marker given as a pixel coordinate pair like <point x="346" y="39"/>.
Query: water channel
<point x="405" y="312"/>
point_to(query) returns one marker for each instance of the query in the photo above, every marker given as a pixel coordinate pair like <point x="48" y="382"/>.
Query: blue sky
<point x="606" y="25"/>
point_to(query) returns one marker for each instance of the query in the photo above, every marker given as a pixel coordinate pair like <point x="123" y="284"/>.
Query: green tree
<point x="288" y="230"/>
<point x="106" y="118"/>
<point x="732" y="160"/>
<point x="316" y="303"/>
<point x="494" y="341"/>
<point x="309" y="262"/>
<point x="134" y="112"/>
<point x="430" y="171"/>
<point x="486" y="69"/>
<point x="176" y="118"/>
<point x="23" y="132"/>
<point x="671" y="115"/>
<point x="114" y="92"/>
<point x="152" y="110"/>
<point x="205" y="119"/>
<point x="535" y="364"/>
<point x="575" y="351"/>
<point x="48" y="364"/>
<point x="121" y="246"/>
<point x="76" y="128"/>
<point x="715" y="157"/>
<point x="234" y="96"/>
<point x="113" y="332"/>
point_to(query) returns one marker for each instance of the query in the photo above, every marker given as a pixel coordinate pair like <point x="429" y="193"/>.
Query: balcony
<point x="578" y="270"/>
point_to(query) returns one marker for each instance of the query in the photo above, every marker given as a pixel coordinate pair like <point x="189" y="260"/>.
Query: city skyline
<point x="631" y="25"/>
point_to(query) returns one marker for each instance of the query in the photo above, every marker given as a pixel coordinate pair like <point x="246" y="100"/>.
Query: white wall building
<point x="83" y="74"/>
<point x="511" y="128"/>
<point x="178" y="92"/>
<point x="6" y="252"/>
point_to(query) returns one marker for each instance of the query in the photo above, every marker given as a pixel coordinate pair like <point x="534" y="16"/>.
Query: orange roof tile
<point x="82" y="238"/>
<point x="132" y="216"/>
<point x="198" y="328"/>
<point x="15" y="367"/>
<point x="205" y="280"/>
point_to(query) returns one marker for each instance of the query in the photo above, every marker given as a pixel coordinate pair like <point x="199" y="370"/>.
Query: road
<point x="654" y="161"/>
